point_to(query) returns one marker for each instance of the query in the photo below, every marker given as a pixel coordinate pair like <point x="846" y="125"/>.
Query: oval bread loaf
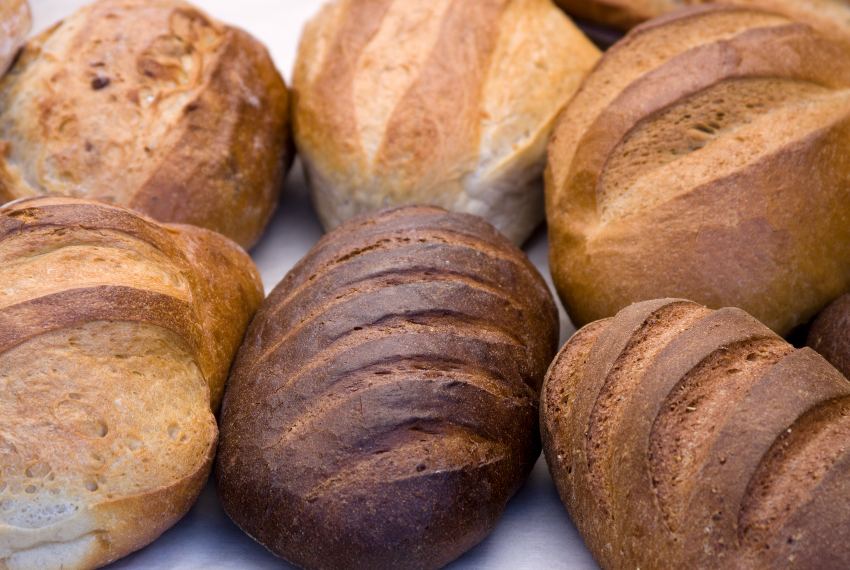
<point x="15" y="22"/>
<point x="706" y="157"/>
<point x="382" y="409"/>
<point x="830" y="334"/>
<point x="444" y="102"/>
<point x="177" y="116"/>
<point x="681" y="437"/>
<point x="116" y="335"/>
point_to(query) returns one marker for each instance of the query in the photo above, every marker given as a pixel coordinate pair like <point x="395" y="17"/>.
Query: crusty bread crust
<point x="444" y="102"/>
<point x="116" y="335"/>
<point x="830" y="334"/>
<point x="704" y="158"/>
<point x="382" y="409"/>
<point x="178" y="116"/>
<point x="15" y="23"/>
<point x="681" y="437"/>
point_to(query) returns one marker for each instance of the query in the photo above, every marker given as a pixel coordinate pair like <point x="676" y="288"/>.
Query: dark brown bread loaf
<point x="681" y="437"/>
<point x="383" y="407"/>
<point x="830" y="334"/>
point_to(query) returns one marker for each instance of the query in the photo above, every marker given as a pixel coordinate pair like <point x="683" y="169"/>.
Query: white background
<point x="534" y="533"/>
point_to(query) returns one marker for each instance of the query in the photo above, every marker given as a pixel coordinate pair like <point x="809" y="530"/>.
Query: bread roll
<point x="116" y="335"/>
<point x="383" y="407"/>
<point x="15" y="22"/>
<point x="706" y="157"/>
<point x="177" y="116"/>
<point x="833" y="15"/>
<point x="444" y="102"/>
<point x="830" y="334"/>
<point x="681" y="437"/>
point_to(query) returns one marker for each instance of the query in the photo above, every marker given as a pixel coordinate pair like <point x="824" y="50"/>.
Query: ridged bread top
<point x="705" y="158"/>
<point x="446" y="102"/>
<point x="382" y="409"/>
<point x="153" y="105"/>
<point x="681" y="437"/>
<point x="116" y="336"/>
<point x="15" y="22"/>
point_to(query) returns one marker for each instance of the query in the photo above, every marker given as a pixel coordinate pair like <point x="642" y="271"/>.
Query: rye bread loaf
<point x="682" y="437"/>
<point x="830" y="334"/>
<point x="116" y="335"/>
<point x="445" y="102"/>
<point x="15" y="22"/>
<point x="383" y="407"/>
<point x="706" y="158"/>
<point x="153" y="105"/>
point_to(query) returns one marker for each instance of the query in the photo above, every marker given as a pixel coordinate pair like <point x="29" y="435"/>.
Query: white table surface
<point x="534" y="533"/>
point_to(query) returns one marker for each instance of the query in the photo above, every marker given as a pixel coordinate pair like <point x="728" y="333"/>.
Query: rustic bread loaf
<point x="833" y="15"/>
<point x="177" y="116"/>
<point x="15" y="22"/>
<point x="830" y="334"/>
<point x="116" y="335"/>
<point x="706" y="157"/>
<point x="681" y="437"/>
<point x="383" y="407"/>
<point x="444" y="102"/>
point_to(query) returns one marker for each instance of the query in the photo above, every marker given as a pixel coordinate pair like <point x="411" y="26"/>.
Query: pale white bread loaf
<point x="116" y="335"/>
<point x="446" y="102"/>
<point x="15" y="22"/>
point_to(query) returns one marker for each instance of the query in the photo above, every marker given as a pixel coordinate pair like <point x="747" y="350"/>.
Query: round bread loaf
<point x="833" y="15"/>
<point x="177" y="116"/>
<point x="116" y="336"/>
<point x="444" y="102"/>
<point x="706" y="157"/>
<point x="15" y="22"/>
<point x="681" y="437"/>
<point x="830" y="334"/>
<point x="383" y="408"/>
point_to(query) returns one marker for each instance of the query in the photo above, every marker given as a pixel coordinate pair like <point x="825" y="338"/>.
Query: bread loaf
<point x="705" y="158"/>
<point x="383" y="407"/>
<point x="116" y="335"/>
<point x="830" y="334"/>
<point x="832" y="15"/>
<point x="177" y="116"/>
<point x="444" y="102"/>
<point x="681" y="437"/>
<point x="15" y="22"/>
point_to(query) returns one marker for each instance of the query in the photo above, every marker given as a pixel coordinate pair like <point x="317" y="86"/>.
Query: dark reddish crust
<point x="830" y="334"/>
<point x="383" y="408"/>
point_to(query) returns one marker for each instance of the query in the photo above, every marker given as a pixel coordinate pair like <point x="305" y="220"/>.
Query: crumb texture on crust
<point x="383" y="407"/>
<point x="178" y="116"/>
<point x="15" y="23"/>
<point x="112" y="361"/>
<point x="442" y="102"/>
<point x="681" y="437"/>
<point x="703" y="158"/>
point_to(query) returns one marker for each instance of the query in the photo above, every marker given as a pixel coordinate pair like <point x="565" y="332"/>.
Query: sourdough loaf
<point x="177" y="116"/>
<point x="116" y="335"/>
<point x="383" y="408"/>
<point x="830" y="334"/>
<point x="681" y="437"/>
<point x="706" y="157"/>
<point x="445" y="102"/>
<point x="15" y="22"/>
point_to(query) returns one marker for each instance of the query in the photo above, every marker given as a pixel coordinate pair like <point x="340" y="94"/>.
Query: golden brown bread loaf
<point x="15" y="22"/>
<point x="706" y="158"/>
<point x="444" y="102"/>
<point x="178" y="116"/>
<point x="116" y="335"/>
<point x="832" y="15"/>
<point x="383" y="407"/>
<point x="830" y="334"/>
<point x="681" y="437"/>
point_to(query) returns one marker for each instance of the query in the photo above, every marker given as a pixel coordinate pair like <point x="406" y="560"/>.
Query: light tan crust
<point x="657" y="433"/>
<point x="15" y="23"/>
<point x="116" y="336"/>
<point x="444" y="102"/>
<point x="830" y="15"/>
<point x="704" y="158"/>
<point x="178" y="116"/>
